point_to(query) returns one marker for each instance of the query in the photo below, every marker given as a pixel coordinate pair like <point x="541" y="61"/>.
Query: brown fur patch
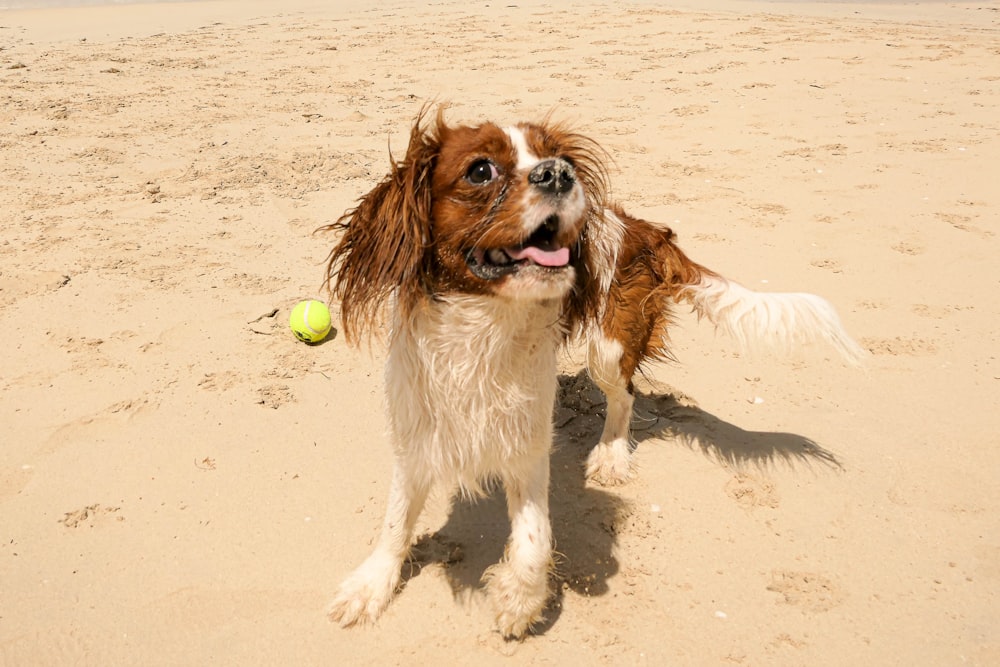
<point x="384" y="240"/>
<point x="650" y="277"/>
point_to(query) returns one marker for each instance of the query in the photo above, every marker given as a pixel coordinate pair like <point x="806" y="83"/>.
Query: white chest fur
<point x="470" y="385"/>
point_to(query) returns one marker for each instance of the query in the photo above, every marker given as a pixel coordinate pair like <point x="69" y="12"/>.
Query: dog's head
<point x="480" y="210"/>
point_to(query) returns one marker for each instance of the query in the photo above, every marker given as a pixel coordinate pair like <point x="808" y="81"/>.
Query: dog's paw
<point x="518" y="604"/>
<point x="610" y="464"/>
<point x="366" y="592"/>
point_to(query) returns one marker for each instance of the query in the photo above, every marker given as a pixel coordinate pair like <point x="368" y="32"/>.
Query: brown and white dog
<point x="488" y="247"/>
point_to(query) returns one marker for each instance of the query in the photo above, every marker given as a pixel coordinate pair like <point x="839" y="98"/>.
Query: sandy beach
<point x="182" y="482"/>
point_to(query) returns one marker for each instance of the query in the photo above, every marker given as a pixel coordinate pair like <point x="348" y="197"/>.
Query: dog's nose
<point x="555" y="176"/>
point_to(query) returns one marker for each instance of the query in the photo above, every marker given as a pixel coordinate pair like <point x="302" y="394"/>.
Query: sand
<point x="182" y="482"/>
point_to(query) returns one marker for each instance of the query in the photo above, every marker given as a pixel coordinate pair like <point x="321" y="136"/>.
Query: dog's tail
<point x="780" y="320"/>
<point x="651" y="269"/>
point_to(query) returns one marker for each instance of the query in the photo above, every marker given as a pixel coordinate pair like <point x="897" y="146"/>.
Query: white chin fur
<point x="536" y="284"/>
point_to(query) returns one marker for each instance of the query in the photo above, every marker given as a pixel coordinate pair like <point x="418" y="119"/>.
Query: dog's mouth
<point x="540" y="250"/>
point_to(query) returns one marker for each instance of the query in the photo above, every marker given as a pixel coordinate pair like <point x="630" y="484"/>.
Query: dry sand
<point x="182" y="482"/>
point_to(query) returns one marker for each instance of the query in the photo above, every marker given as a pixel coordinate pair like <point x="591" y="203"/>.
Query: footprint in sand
<point x="828" y="264"/>
<point x="937" y="312"/>
<point x="690" y="110"/>
<point x="751" y="491"/>
<point x="275" y="395"/>
<point x="961" y="223"/>
<point x="899" y="346"/>
<point x="90" y="516"/>
<point x="906" y="248"/>
<point x="98" y="424"/>
<point x="220" y="381"/>
<point x="809" y="590"/>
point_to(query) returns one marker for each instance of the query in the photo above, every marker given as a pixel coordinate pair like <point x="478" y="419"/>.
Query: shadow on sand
<point x="586" y="518"/>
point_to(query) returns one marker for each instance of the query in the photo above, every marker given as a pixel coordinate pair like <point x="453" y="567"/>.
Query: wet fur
<point x="471" y="368"/>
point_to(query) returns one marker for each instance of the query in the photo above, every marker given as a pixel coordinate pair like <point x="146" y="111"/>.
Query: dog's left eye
<point x="481" y="172"/>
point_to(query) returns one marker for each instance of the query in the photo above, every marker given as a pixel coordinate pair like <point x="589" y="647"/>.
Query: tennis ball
<point x="310" y="321"/>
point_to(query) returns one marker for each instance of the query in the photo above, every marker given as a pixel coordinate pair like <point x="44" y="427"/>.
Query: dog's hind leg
<point x="610" y="462"/>
<point x="366" y="592"/>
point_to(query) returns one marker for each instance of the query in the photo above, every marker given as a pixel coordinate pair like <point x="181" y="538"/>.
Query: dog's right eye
<point x="481" y="172"/>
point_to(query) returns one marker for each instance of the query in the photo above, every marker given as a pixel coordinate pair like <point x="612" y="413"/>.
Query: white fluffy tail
<point x="777" y="320"/>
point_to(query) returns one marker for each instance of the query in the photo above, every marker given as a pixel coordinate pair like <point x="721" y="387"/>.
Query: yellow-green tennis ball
<point x="310" y="321"/>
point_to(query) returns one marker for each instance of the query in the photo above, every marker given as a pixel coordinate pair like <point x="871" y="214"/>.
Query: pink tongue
<point x="541" y="257"/>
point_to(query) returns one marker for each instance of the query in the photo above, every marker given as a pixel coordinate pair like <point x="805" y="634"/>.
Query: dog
<point x="485" y="249"/>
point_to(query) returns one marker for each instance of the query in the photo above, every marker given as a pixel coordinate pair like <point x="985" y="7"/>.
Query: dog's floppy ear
<point x="386" y="240"/>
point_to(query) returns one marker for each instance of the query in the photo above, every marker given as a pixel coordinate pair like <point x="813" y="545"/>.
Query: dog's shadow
<point x="585" y="518"/>
<point x="675" y="417"/>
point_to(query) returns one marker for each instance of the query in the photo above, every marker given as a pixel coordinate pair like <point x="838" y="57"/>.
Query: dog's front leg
<point x="367" y="591"/>
<point x="518" y="586"/>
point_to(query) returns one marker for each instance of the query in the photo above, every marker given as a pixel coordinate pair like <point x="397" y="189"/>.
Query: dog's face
<point x="509" y="209"/>
<point x="480" y="210"/>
